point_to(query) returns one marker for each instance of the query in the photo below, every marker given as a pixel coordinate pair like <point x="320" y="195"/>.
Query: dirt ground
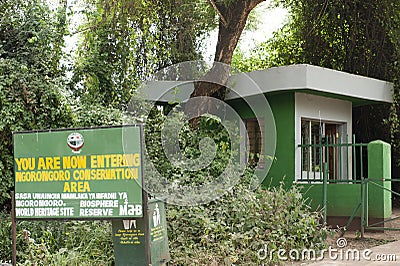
<point x="371" y="238"/>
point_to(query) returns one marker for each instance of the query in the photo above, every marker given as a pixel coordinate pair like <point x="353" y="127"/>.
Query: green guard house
<point x="312" y="109"/>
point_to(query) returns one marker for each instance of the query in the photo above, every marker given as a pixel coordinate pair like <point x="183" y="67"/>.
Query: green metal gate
<point x="365" y="184"/>
<point x="331" y="160"/>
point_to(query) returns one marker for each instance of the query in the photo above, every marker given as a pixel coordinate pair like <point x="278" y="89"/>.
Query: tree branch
<point x="219" y="13"/>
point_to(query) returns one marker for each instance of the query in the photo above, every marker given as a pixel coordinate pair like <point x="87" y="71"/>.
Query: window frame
<point x="259" y="145"/>
<point x="313" y="158"/>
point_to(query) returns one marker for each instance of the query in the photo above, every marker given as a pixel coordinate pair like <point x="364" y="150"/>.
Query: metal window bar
<point x="354" y="157"/>
<point x="340" y="158"/>
<point x="320" y="157"/>
<point x="326" y="153"/>
<point x="347" y="159"/>
<point x="310" y="151"/>
<point x="314" y="156"/>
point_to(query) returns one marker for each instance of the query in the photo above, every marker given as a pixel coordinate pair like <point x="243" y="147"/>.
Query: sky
<point x="270" y="20"/>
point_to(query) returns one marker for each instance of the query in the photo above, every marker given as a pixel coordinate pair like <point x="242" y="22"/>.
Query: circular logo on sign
<point x="75" y="142"/>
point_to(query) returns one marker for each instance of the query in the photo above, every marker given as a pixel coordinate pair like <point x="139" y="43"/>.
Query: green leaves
<point x="58" y="242"/>
<point x="232" y="229"/>
<point x="30" y="78"/>
<point x="124" y="42"/>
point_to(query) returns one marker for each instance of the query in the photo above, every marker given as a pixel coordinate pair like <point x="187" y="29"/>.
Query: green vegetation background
<point x="122" y="43"/>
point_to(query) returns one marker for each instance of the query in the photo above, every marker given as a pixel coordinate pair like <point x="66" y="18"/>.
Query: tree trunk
<point x="232" y="21"/>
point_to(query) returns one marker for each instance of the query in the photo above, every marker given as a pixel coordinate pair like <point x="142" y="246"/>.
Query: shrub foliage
<point x="234" y="228"/>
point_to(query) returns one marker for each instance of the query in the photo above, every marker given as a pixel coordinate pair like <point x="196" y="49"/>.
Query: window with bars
<point x="322" y="143"/>
<point x="255" y="131"/>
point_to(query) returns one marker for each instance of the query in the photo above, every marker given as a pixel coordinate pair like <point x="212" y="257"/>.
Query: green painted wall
<point x="283" y="108"/>
<point x="341" y="198"/>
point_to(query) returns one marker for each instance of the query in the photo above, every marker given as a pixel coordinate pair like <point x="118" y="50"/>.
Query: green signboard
<point x="129" y="237"/>
<point x="78" y="173"/>
<point x="159" y="252"/>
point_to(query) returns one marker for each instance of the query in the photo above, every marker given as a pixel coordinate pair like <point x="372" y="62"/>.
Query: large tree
<point x="125" y="41"/>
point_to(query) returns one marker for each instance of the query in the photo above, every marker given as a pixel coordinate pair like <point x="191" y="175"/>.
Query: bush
<point x="234" y="228"/>
<point x="231" y="229"/>
<point x="58" y="242"/>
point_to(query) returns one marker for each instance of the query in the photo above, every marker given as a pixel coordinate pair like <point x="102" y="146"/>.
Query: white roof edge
<point x="346" y="84"/>
<point x="268" y="80"/>
<point x="304" y="76"/>
<point x="284" y="78"/>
